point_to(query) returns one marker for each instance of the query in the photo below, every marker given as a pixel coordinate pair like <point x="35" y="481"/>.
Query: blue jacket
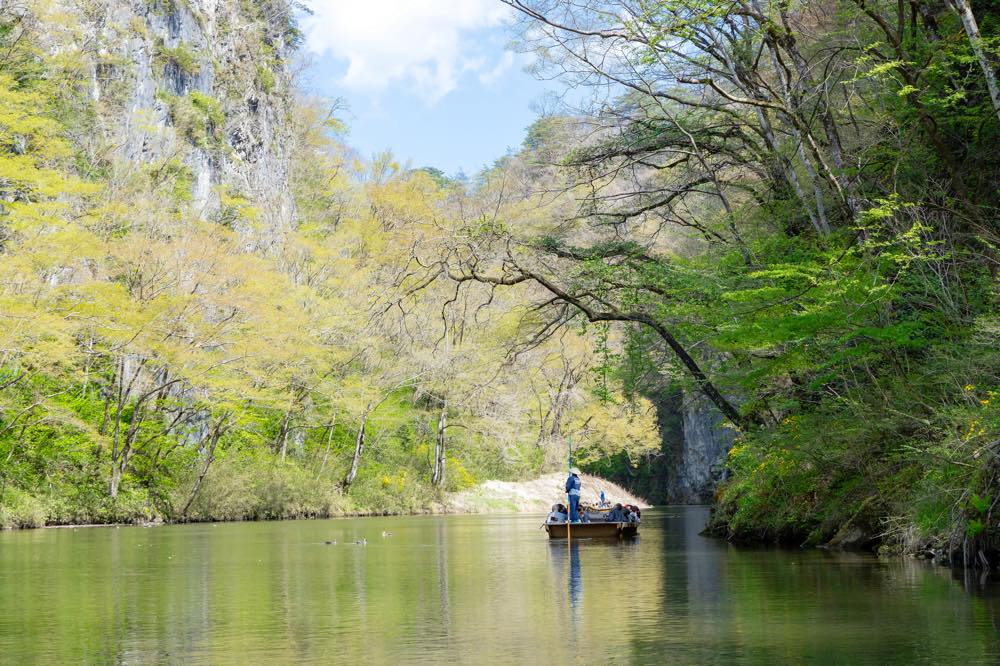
<point x="573" y="484"/>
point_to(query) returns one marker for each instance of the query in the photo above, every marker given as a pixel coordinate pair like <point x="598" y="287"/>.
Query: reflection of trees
<point x="800" y="605"/>
<point x="473" y="589"/>
<point x="444" y="605"/>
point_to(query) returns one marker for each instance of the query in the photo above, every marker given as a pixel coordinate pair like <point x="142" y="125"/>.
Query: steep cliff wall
<point x="693" y="449"/>
<point x="194" y="91"/>
<point x="692" y="458"/>
<point x="196" y="86"/>
<point x="700" y="463"/>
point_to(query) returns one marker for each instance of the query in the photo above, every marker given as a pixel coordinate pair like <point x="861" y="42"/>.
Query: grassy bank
<point x="58" y="470"/>
<point x="241" y="489"/>
<point x="907" y="462"/>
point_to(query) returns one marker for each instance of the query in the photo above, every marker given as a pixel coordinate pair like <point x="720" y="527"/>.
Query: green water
<point x="472" y="589"/>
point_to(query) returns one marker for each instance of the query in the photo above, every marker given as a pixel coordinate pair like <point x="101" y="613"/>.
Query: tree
<point x="964" y="10"/>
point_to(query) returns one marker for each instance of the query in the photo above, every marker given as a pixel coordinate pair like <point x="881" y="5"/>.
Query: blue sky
<point x="432" y="80"/>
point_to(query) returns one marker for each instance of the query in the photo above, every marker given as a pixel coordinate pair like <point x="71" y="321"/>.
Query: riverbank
<point x="493" y="496"/>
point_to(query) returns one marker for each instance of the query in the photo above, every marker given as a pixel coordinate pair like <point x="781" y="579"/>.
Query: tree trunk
<point x="119" y="450"/>
<point x="108" y="392"/>
<point x="116" y="479"/>
<point x="790" y="45"/>
<point x="822" y="225"/>
<point x="281" y="441"/>
<point x="125" y="444"/>
<point x="964" y="10"/>
<point x="359" y="448"/>
<point x="437" y="478"/>
<point x="787" y="168"/>
<point x="218" y="430"/>
<point x="705" y="385"/>
<point x="326" y="454"/>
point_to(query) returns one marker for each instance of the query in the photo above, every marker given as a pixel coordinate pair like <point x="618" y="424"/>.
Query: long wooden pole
<point x="569" y="499"/>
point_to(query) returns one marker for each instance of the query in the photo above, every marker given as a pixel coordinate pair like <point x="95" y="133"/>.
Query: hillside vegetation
<point x="791" y="208"/>
<point x="787" y="209"/>
<point x="193" y="270"/>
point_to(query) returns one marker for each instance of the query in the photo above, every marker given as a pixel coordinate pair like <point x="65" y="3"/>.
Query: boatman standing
<point x="573" y="490"/>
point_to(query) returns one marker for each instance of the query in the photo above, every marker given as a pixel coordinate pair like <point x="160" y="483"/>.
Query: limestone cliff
<point x="202" y="86"/>
<point x="700" y="463"/>
<point x="691" y="460"/>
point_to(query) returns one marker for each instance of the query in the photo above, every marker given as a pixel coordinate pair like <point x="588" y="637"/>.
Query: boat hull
<point x="592" y="530"/>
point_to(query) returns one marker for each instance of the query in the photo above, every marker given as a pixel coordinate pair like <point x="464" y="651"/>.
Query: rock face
<point x="850" y="537"/>
<point x="192" y="92"/>
<point x="199" y="86"/>
<point x="699" y="464"/>
<point x="693" y="450"/>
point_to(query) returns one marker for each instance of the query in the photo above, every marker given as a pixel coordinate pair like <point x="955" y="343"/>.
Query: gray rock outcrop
<point x="200" y="83"/>
<point x="699" y="465"/>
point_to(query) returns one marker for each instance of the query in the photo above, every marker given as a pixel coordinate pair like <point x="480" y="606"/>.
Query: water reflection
<point x="468" y="589"/>
<point x="575" y="578"/>
<point x="568" y="575"/>
<point x="444" y="606"/>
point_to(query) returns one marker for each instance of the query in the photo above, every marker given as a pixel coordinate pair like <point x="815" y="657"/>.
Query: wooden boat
<point x="595" y="530"/>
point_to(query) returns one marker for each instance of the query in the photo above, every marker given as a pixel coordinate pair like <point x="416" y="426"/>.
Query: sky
<point x="432" y="80"/>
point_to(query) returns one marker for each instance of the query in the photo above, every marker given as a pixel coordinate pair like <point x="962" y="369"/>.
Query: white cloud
<point x="423" y="44"/>
<point x="490" y="76"/>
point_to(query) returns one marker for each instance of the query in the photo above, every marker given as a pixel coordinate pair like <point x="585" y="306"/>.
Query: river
<point x="472" y="590"/>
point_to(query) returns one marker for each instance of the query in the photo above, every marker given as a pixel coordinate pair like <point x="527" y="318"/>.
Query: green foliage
<point x="438" y="176"/>
<point x="185" y="59"/>
<point x="58" y="475"/>
<point x="838" y="286"/>
<point x="198" y="117"/>
<point x="161" y="363"/>
<point x="265" y="78"/>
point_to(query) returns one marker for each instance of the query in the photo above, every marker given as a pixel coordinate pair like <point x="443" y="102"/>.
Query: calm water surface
<point x="472" y="589"/>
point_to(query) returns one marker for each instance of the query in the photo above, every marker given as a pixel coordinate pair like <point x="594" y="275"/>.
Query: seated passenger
<point x="617" y="515"/>
<point x="557" y="515"/>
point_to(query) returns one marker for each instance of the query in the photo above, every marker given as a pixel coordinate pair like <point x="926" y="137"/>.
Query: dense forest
<point x="214" y="309"/>
<point x="194" y="284"/>
<point x="792" y="206"/>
